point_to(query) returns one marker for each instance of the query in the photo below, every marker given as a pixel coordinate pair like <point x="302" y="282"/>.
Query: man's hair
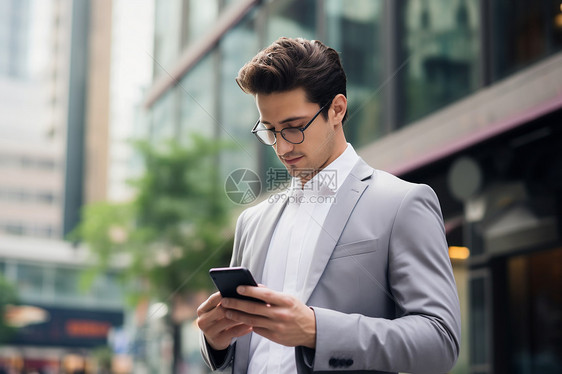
<point x="288" y="64"/>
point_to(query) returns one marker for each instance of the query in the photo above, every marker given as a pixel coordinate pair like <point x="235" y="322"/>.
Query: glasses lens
<point x="266" y="136"/>
<point x="291" y="135"/>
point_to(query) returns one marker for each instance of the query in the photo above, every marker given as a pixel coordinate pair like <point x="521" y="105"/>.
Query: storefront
<point x="502" y="200"/>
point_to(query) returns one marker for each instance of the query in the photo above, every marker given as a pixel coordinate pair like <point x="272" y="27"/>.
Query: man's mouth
<point x="293" y="160"/>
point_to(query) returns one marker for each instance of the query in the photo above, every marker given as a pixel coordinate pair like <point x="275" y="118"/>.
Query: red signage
<point x="87" y="328"/>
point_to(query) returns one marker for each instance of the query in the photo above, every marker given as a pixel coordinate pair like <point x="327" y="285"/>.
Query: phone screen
<point x="227" y="279"/>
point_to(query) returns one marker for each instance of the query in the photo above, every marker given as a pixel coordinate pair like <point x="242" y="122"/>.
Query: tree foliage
<point x="175" y="228"/>
<point x="8" y="296"/>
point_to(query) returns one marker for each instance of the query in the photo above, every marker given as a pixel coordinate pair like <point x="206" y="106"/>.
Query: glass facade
<point x="533" y="316"/>
<point x="523" y="31"/>
<point x="209" y="101"/>
<point x="237" y="112"/>
<point x="199" y="18"/>
<point x="164" y="121"/>
<point x="60" y="285"/>
<point x="66" y="282"/>
<point x="439" y="49"/>
<point x="291" y="18"/>
<point x="29" y="280"/>
<point x="167" y="35"/>
<point x="354" y="29"/>
<point x="196" y="93"/>
<point x="479" y="323"/>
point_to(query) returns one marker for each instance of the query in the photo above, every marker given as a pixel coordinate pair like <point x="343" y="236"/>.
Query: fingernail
<point x="241" y="289"/>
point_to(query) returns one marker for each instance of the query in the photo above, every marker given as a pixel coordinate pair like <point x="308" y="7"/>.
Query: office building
<point x="54" y="86"/>
<point x="34" y="45"/>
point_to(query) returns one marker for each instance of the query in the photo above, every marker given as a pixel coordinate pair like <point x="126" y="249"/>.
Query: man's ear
<point x="338" y="108"/>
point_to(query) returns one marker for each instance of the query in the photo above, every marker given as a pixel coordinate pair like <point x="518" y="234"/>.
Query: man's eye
<point x="295" y="127"/>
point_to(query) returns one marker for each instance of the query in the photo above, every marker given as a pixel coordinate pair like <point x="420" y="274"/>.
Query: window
<point x="353" y="28"/>
<point x="439" y="50"/>
<point x="164" y="117"/>
<point x="66" y="283"/>
<point x="46" y="197"/>
<point x="199" y="19"/>
<point x="291" y="18"/>
<point x="166" y="35"/>
<point x="196" y="93"/>
<point x="237" y="109"/>
<point x="14" y="228"/>
<point x="29" y="280"/>
<point x="524" y="31"/>
<point x="479" y="323"/>
<point x="533" y="313"/>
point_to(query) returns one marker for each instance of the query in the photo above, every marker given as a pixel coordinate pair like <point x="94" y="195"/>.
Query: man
<point x="353" y="261"/>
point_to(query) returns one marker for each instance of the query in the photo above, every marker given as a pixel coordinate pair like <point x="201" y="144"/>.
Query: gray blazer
<point x="381" y="283"/>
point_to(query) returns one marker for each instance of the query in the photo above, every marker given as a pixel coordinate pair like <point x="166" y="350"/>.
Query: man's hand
<point x="283" y="319"/>
<point x="218" y="329"/>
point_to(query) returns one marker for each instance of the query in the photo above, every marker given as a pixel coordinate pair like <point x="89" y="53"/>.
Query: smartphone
<point x="227" y="279"/>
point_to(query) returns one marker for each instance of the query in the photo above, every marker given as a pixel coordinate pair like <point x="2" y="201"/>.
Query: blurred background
<point x="120" y="122"/>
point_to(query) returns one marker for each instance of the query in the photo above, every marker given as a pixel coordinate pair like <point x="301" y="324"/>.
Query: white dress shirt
<point x="291" y="249"/>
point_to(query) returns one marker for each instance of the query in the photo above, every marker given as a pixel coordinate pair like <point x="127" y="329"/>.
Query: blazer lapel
<point x="254" y="259"/>
<point x="346" y="199"/>
<point x="264" y="231"/>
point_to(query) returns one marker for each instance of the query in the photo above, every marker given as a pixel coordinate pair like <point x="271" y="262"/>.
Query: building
<point x="131" y="72"/>
<point x="54" y="141"/>
<point x="463" y="95"/>
<point x="34" y="92"/>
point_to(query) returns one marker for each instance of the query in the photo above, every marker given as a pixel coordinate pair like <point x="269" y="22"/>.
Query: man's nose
<point x="282" y="146"/>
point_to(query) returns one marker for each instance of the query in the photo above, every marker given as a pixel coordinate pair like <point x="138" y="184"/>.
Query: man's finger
<point x="263" y="293"/>
<point x="209" y="304"/>
<point x="221" y="326"/>
<point x="247" y="307"/>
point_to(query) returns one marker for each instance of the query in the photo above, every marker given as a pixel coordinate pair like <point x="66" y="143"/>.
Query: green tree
<point x="176" y="227"/>
<point x="7" y="297"/>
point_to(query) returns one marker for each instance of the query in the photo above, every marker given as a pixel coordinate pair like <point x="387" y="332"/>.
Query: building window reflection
<point x="198" y="19"/>
<point x="30" y="280"/>
<point x="167" y="34"/>
<point x="237" y="111"/>
<point x="440" y="47"/>
<point x="524" y="31"/>
<point x="291" y="18"/>
<point x="354" y="29"/>
<point x="196" y="94"/>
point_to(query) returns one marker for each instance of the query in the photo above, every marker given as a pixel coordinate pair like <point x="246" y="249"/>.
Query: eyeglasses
<point x="294" y="135"/>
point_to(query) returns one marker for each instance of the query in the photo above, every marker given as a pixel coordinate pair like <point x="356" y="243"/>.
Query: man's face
<point x="322" y="143"/>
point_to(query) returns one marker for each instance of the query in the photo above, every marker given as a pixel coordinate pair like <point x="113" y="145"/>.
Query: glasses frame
<point x="301" y="129"/>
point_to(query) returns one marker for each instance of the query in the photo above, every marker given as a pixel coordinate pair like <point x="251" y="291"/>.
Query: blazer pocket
<point x="355" y="248"/>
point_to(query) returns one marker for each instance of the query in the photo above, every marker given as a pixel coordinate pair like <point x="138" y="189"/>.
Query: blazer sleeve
<point x="425" y="335"/>
<point x="220" y="360"/>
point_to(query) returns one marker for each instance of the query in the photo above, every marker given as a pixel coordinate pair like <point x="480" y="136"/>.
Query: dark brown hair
<point x="288" y="64"/>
